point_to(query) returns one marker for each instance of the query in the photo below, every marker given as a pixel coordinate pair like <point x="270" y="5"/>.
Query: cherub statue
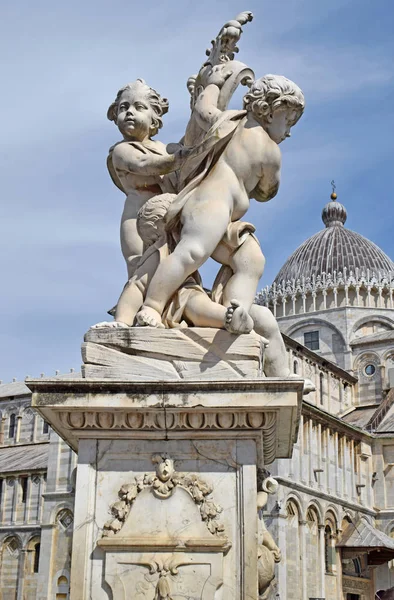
<point x="230" y="157"/>
<point x="137" y="163"/>
<point x="203" y="215"/>
<point x="191" y="305"/>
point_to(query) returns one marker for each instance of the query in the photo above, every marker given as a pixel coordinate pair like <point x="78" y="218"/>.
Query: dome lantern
<point x="335" y="249"/>
<point x="334" y="213"/>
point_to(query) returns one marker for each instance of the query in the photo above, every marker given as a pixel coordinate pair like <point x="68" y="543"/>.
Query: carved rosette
<point x="162" y="484"/>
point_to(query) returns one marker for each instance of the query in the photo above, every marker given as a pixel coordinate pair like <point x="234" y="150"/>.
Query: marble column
<point x="2" y="427"/>
<point x="304" y="560"/>
<point x="21" y="569"/>
<point x="35" y="420"/>
<point x="18" y="428"/>
<point x="322" y="561"/>
<point x="282" y="568"/>
<point x="14" y="482"/>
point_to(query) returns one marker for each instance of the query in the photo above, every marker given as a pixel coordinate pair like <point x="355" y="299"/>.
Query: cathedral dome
<point x="335" y="249"/>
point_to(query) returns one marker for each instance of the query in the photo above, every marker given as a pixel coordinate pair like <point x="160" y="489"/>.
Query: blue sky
<point x="62" y="64"/>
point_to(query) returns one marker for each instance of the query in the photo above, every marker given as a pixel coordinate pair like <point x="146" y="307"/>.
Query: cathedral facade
<point x="333" y="516"/>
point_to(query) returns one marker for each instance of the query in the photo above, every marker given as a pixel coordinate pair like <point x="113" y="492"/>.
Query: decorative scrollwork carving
<point x="162" y="484"/>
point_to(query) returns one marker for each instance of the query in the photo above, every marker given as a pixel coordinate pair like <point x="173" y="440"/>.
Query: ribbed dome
<point x="334" y="249"/>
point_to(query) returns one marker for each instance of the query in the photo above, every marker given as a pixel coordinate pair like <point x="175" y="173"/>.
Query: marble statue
<point x="185" y="202"/>
<point x="206" y="218"/>
<point x="268" y="552"/>
<point x="187" y="394"/>
<point x="136" y="164"/>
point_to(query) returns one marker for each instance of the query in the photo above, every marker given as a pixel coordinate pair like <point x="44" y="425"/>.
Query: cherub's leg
<point x="130" y="241"/>
<point x="275" y="357"/>
<point x="247" y="264"/>
<point x="132" y="297"/>
<point x="201" y="231"/>
<point x="202" y="312"/>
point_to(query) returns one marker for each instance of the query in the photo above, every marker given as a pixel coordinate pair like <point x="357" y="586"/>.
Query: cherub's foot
<point x="112" y="311"/>
<point x="237" y="319"/>
<point x="309" y="387"/>
<point x="149" y="317"/>
<point x="110" y="325"/>
<point x="308" y="384"/>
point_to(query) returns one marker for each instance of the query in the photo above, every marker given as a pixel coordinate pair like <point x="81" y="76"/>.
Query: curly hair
<point x="159" y="105"/>
<point x="150" y="218"/>
<point x="272" y="91"/>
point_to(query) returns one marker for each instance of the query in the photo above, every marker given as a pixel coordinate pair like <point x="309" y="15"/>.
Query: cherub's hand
<point x="182" y="154"/>
<point x="218" y="75"/>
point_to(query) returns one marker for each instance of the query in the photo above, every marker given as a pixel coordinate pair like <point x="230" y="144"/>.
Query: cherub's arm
<point x="268" y="184"/>
<point x="135" y="159"/>
<point x="205" y="109"/>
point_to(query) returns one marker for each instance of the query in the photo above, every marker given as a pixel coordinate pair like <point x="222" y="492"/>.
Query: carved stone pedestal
<point x="166" y="492"/>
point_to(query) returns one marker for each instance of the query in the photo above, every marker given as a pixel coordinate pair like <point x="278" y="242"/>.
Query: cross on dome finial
<point x="334" y="213"/>
<point x="334" y="187"/>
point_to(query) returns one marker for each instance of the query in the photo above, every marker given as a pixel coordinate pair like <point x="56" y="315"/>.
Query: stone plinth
<point x="146" y="354"/>
<point x="166" y="493"/>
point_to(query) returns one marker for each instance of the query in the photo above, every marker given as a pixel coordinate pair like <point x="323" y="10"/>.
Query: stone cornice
<point x="322" y="362"/>
<point x="266" y="410"/>
<point x="15" y="527"/>
<point x="135" y="388"/>
<point x="310" y="410"/>
<point x="316" y="493"/>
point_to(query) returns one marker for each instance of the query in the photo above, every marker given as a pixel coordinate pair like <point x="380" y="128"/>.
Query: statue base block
<point x="166" y="491"/>
<point x="146" y="354"/>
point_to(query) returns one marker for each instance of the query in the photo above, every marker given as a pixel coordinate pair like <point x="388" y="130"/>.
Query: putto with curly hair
<point x="269" y="93"/>
<point x="150" y="218"/>
<point x="137" y="163"/>
<point x="158" y="104"/>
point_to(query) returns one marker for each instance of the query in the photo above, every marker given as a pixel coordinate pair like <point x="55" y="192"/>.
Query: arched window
<point x="321" y="388"/>
<point x="45" y="427"/>
<point x="328" y="549"/>
<point x="24" y="484"/>
<point x="357" y="566"/>
<point x="36" y="559"/>
<point x="295" y="367"/>
<point x="12" y="427"/>
<point x="62" y="588"/>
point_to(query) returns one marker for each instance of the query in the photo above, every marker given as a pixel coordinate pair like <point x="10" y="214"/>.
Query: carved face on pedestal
<point x="135" y="115"/>
<point x="165" y="469"/>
